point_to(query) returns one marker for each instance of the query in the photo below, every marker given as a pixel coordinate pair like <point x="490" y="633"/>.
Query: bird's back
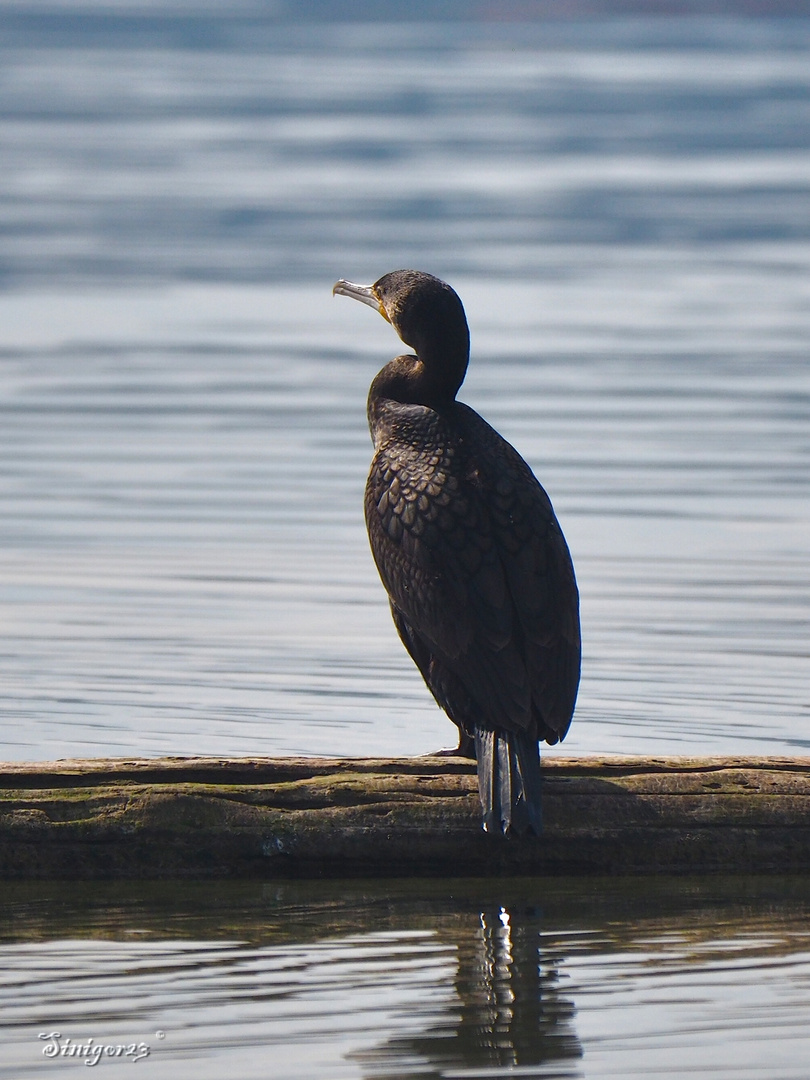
<point x="477" y="570"/>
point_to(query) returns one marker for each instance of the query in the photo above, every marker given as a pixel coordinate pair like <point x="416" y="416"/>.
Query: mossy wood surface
<point x="303" y="817"/>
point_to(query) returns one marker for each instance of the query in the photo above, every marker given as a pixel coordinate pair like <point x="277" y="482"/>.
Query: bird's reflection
<point x="509" y="1012"/>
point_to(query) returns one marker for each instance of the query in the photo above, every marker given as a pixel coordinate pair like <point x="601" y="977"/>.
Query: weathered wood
<point x="296" y="817"/>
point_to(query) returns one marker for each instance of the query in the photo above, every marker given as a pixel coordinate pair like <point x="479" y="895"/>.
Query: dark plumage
<point x="478" y="573"/>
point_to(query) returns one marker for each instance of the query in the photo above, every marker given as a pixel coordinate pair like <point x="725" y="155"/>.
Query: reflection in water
<point x="429" y="979"/>
<point x="509" y="1012"/>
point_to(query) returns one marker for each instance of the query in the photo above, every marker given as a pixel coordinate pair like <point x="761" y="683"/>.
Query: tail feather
<point x="509" y="781"/>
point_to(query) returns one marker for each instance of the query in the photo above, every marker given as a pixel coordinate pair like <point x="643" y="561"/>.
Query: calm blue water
<point x="624" y="207"/>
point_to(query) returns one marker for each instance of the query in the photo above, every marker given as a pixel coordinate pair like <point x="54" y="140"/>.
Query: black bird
<point x="477" y="570"/>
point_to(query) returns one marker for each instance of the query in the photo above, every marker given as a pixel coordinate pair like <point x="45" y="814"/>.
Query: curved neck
<point x="433" y="376"/>
<point x="410" y="382"/>
<point x="444" y="358"/>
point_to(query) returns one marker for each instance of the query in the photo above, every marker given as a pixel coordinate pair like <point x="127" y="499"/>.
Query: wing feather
<point x="477" y="571"/>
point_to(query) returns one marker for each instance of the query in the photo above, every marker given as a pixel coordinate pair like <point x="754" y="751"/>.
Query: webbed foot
<point x="465" y="748"/>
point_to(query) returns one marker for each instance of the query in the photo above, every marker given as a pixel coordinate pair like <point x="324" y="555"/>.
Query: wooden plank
<point x="302" y="817"/>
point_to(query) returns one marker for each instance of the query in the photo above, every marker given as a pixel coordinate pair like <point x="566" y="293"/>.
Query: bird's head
<point x="427" y="315"/>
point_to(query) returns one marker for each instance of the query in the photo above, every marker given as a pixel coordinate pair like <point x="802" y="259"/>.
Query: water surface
<point x="424" y="979"/>
<point x="622" y="206"/>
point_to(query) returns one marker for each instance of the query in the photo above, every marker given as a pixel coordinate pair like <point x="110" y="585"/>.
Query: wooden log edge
<point x="369" y="817"/>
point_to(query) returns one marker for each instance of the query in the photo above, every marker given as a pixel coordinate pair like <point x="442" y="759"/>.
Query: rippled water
<point x="481" y="979"/>
<point x="623" y="207"/>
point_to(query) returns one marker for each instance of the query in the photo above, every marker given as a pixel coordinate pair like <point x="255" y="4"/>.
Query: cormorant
<point x="477" y="570"/>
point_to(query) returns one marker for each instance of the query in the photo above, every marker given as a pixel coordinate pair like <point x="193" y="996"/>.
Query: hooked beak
<point x="366" y="294"/>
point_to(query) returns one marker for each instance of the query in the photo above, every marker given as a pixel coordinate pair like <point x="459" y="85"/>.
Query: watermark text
<point x="89" y="1050"/>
